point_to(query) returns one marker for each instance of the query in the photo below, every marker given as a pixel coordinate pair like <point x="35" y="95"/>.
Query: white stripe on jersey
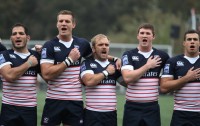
<point x="22" y="92"/>
<point x="67" y="86"/>
<point x="188" y="98"/>
<point x="144" y="90"/>
<point x="101" y="98"/>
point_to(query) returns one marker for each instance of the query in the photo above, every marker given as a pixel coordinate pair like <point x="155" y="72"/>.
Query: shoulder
<point x="88" y="60"/>
<point x="81" y="41"/>
<point x="162" y="54"/>
<point x="175" y="58"/>
<point x="132" y="51"/>
<point x="52" y="41"/>
<point x="33" y="52"/>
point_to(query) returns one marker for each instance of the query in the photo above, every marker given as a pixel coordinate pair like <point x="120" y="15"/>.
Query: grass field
<point x="165" y="101"/>
<point x="166" y="108"/>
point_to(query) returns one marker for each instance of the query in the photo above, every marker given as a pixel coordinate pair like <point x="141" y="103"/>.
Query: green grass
<point x="165" y="101"/>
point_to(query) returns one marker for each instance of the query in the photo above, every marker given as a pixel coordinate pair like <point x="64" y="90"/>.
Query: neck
<point x="21" y="50"/>
<point x="191" y="54"/>
<point x="64" y="38"/>
<point x="144" y="49"/>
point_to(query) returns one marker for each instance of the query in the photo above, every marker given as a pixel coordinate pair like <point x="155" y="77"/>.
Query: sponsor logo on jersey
<point x="44" y="53"/>
<point x="107" y="81"/>
<point x="125" y="60"/>
<point x="56" y="49"/>
<point x="12" y="56"/>
<point x="166" y="68"/>
<point x="150" y="74"/>
<point x="30" y="72"/>
<point x="135" y="58"/>
<point x="92" y="65"/>
<point x="179" y="63"/>
<point x="2" y="59"/>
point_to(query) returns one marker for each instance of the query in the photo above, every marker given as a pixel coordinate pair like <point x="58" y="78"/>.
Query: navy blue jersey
<point x="67" y="85"/>
<point x="101" y="97"/>
<point x="56" y="51"/>
<point x="21" y="92"/>
<point x="146" y="88"/>
<point x="186" y="98"/>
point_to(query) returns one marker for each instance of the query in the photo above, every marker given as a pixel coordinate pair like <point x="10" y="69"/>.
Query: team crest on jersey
<point x="92" y="65"/>
<point x="56" y="49"/>
<point x="125" y="60"/>
<point x="135" y="58"/>
<point x="2" y="59"/>
<point x="44" y="53"/>
<point x="76" y="46"/>
<point x="179" y="63"/>
<point x="166" y="68"/>
<point x="12" y="56"/>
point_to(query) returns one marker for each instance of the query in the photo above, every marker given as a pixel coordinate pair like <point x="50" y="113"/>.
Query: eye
<point x="190" y="39"/>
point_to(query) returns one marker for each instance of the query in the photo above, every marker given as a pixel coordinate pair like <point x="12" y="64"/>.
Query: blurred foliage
<point x="116" y="18"/>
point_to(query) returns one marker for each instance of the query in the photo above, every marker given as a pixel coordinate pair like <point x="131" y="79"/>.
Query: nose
<point x="17" y="35"/>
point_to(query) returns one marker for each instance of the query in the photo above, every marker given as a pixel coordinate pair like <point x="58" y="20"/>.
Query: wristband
<point x="105" y="73"/>
<point x="70" y="59"/>
<point x="67" y="62"/>
<point x="115" y="59"/>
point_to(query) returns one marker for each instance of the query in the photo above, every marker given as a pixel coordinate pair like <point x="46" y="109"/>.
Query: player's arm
<point x="168" y="84"/>
<point x="91" y="79"/>
<point x="50" y="71"/>
<point x="13" y="73"/>
<point x="116" y="60"/>
<point x="134" y="75"/>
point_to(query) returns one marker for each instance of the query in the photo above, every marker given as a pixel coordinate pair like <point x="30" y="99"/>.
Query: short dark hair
<point x="191" y="32"/>
<point x="147" y="26"/>
<point x="20" y="25"/>
<point x="67" y="12"/>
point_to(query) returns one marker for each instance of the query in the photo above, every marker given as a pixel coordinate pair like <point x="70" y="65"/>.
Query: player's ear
<point x="28" y="37"/>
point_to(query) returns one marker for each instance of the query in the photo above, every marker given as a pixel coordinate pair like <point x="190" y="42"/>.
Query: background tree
<point x="118" y="19"/>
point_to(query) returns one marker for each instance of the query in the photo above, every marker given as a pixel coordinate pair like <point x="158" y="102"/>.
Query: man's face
<point x="65" y="25"/>
<point x="19" y="38"/>
<point x="192" y="44"/>
<point x="101" y="49"/>
<point x="145" y="37"/>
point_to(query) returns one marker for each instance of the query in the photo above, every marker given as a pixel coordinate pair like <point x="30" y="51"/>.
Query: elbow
<point x="10" y="79"/>
<point x="90" y="83"/>
<point x="164" y="90"/>
<point x="126" y="80"/>
<point x="46" y="77"/>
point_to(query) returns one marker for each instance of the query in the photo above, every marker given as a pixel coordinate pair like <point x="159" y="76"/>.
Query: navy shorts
<point x="93" y="118"/>
<point x="18" y="116"/>
<point x="141" y="114"/>
<point x="185" y="118"/>
<point x="62" y="111"/>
